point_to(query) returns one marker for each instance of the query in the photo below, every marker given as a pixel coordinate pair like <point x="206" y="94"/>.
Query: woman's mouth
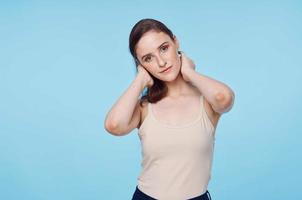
<point x="166" y="70"/>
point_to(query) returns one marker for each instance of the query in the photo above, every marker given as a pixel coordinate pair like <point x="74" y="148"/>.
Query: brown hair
<point x="159" y="89"/>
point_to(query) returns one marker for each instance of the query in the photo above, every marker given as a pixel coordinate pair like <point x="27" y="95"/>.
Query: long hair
<point x="159" y="89"/>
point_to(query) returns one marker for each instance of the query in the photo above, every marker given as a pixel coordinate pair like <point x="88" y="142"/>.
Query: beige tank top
<point x="176" y="160"/>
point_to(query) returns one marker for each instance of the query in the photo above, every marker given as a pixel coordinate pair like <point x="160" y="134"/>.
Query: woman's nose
<point x="161" y="62"/>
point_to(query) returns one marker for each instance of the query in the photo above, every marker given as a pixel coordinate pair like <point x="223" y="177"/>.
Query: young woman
<point x="176" y="117"/>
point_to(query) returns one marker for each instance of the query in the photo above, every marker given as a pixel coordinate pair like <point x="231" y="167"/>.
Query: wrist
<point x="188" y="74"/>
<point x="140" y="80"/>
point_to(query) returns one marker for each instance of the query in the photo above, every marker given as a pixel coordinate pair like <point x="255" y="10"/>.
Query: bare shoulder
<point x="213" y="115"/>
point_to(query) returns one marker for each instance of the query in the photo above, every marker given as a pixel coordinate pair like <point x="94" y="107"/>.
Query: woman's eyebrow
<point x="157" y="48"/>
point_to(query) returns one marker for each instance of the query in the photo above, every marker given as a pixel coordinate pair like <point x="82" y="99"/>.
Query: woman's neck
<point x="179" y="87"/>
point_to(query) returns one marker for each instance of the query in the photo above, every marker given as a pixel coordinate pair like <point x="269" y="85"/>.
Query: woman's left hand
<point x="187" y="66"/>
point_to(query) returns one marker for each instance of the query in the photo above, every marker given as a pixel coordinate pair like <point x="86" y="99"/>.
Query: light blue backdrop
<point x="64" y="63"/>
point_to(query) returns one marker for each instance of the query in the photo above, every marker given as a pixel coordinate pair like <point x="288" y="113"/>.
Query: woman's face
<point x="156" y="51"/>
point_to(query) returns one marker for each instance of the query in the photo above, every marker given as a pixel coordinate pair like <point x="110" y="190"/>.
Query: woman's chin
<point x="171" y="77"/>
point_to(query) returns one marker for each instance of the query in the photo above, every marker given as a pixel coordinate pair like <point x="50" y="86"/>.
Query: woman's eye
<point x="164" y="48"/>
<point x="147" y="59"/>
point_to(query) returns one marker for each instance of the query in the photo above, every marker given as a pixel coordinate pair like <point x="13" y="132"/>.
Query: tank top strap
<point x="149" y="108"/>
<point x="147" y="116"/>
<point x="205" y="115"/>
<point x="150" y="111"/>
<point x="201" y="106"/>
<point x="201" y="99"/>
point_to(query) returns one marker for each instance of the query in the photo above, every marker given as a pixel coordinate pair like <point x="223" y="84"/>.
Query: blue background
<point x="64" y="63"/>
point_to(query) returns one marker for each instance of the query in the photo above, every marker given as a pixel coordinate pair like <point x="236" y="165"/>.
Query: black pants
<point x="139" y="195"/>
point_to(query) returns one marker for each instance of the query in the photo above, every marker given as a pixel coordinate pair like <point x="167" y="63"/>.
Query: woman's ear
<point x="179" y="53"/>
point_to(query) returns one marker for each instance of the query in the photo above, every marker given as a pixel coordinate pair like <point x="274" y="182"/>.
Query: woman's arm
<point x="219" y="95"/>
<point x="124" y="115"/>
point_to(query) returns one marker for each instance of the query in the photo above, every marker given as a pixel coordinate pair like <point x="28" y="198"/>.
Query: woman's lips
<point x="166" y="70"/>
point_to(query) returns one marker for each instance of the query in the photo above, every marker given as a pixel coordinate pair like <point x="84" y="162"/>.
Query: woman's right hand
<point x="146" y="76"/>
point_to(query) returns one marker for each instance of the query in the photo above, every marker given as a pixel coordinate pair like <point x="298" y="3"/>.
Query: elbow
<point x="225" y="101"/>
<point x="111" y="127"/>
